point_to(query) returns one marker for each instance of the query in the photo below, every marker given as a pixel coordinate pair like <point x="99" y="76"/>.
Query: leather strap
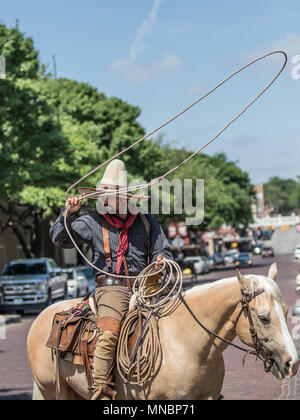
<point x="148" y="231"/>
<point x="105" y="235"/>
<point x="85" y="358"/>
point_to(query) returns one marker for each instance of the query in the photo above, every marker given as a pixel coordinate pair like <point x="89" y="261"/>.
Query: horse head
<point x="269" y="332"/>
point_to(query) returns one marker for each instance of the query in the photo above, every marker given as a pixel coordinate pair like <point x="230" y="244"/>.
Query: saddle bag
<point x="74" y="333"/>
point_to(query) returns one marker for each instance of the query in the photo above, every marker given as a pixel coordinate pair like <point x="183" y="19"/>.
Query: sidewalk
<point x="6" y="319"/>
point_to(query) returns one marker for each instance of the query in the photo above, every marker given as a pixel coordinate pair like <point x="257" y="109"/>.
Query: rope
<point x="125" y="190"/>
<point x="140" y="368"/>
<point x="149" y="355"/>
<point x="139" y="187"/>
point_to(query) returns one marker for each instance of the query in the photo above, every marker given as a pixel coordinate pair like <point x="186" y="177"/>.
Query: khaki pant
<point x="112" y="302"/>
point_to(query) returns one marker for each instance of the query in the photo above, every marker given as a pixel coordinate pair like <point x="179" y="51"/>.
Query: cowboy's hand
<point x="74" y="203"/>
<point x="159" y="264"/>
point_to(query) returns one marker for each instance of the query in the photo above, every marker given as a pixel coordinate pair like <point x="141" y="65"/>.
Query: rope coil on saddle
<point x="143" y="364"/>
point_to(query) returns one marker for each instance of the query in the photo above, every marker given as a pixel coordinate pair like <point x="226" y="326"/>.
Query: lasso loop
<point x="126" y="190"/>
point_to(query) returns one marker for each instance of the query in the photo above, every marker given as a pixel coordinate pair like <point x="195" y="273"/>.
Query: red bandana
<point x="118" y="224"/>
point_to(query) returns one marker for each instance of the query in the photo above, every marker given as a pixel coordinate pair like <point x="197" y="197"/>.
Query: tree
<point x="282" y="194"/>
<point x="52" y="132"/>
<point x="227" y="189"/>
<point x="20" y="55"/>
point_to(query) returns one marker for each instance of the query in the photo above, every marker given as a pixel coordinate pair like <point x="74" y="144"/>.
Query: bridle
<point x="257" y="342"/>
<point x="268" y="360"/>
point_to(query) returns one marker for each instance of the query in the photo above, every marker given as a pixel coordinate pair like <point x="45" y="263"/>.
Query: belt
<point x="105" y="280"/>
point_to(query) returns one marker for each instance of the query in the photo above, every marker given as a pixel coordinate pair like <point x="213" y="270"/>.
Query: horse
<point x="192" y="367"/>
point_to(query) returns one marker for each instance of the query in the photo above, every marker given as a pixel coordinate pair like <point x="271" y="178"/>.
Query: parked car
<point x="200" y="264"/>
<point x="230" y="256"/>
<point x="78" y="285"/>
<point x="243" y="259"/>
<point x="218" y="259"/>
<point x="298" y="227"/>
<point x="89" y="274"/>
<point x="298" y="283"/>
<point x="297" y="252"/>
<point x="267" y="251"/>
<point x="258" y="248"/>
<point x="31" y="284"/>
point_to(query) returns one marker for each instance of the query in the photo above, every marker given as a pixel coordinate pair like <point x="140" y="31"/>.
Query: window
<point x="20" y="268"/>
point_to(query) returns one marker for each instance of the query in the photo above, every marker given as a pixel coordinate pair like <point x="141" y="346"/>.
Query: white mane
<point x="256" y="281"/>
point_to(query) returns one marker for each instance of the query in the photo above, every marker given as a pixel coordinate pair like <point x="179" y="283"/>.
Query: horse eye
<point x="263" y="319"/>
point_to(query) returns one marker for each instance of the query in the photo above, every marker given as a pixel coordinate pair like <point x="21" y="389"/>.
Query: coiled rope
<point x="145" y="362"/>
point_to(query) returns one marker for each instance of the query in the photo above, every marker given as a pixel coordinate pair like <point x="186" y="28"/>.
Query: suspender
<point x="147" y="227"/>
<point x="105" y="235"/>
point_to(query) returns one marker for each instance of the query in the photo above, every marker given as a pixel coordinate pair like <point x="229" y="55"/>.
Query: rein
<point x="257" y="342"/>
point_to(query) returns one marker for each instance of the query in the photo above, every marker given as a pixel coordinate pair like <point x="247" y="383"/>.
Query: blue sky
<point x="162" y="54"/>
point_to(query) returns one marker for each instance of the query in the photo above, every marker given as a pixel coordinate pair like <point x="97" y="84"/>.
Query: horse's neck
<point x="215" y="306"/>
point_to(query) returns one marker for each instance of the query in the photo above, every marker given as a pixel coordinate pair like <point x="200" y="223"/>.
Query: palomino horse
<point x="192" y="366"/>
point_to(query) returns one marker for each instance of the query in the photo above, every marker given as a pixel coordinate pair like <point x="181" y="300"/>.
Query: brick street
<point x="241" y="383"/>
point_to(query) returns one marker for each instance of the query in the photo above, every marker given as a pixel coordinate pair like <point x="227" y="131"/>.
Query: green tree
<point x="52" y="132"/>
<point x="282" y="194"/>
<point x="227" y="189"/>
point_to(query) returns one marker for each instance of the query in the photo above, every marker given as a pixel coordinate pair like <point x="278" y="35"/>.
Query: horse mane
<point x="269" y="285"/>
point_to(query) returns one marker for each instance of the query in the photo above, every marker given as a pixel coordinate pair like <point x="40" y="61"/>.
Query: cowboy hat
<point x="114" y="178"/>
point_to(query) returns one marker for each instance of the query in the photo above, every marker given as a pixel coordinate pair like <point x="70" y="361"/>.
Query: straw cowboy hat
<point x="114" y="178"/>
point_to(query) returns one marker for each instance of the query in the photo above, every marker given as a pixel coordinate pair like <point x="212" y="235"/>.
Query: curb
<point x="9" y="319"/>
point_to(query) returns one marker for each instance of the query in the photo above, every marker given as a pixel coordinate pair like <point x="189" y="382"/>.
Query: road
<point x="241" y="383"/>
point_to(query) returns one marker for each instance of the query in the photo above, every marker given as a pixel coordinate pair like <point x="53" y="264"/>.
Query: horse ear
<point x="244" y="283"/>
<point x="273" y="272"/>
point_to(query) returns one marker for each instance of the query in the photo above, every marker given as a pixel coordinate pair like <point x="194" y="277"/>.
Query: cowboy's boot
<point x="104" y="358"/>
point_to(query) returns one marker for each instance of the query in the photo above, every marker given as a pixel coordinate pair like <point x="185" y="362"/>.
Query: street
<point x="248" y="382"/>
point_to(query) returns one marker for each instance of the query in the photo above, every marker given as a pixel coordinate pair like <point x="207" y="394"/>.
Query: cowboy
<point x="118" y="240"/>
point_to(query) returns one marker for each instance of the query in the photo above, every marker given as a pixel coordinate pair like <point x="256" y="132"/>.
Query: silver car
<point x="77" y="283"/>
<point x="200" y="264"/>
<point x="31" y="284"/>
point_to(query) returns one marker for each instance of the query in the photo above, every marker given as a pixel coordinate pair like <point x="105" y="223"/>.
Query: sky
<point x="161" y="55"/>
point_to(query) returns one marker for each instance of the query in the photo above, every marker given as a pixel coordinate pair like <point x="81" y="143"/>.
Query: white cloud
<point x="195" y="90"/>
<point x="290" y="44"/>
<point x="138" y="73"/>
<point x="138" y="45"/>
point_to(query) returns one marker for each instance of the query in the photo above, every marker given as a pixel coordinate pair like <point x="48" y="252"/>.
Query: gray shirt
<point x="88" y="229"/>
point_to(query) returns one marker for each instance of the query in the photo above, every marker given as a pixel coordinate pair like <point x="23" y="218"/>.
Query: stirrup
<point x="106" y="391"/>
<point x="97" y="394"/>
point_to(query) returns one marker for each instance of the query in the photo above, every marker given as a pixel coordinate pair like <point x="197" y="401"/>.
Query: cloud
<point x="290" y="44"/>
<point x="128" y="68"/>
<point x="195" y="90"/>
<point x="138" y="45"/>
<point x="138" y="73"/>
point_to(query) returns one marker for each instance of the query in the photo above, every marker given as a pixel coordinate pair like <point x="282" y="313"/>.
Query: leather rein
<point x="268" y="360"/>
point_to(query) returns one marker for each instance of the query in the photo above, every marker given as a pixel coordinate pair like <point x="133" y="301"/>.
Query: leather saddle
<point x="74" y="332"/>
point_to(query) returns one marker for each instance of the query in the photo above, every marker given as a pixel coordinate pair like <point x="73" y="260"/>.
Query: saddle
<point x="74" y="333"/>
